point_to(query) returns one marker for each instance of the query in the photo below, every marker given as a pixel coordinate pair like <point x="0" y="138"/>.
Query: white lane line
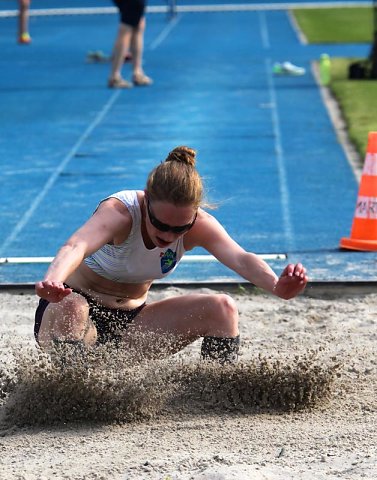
<point x="165" y="32"/>
<point x="186" y="259"/>
<point x="264" y="30"/>
<point x="283" y="182"/>
<point x="301" y="37"/>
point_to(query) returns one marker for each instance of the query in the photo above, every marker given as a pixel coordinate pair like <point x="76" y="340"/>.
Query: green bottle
<point x="325" y="69"/>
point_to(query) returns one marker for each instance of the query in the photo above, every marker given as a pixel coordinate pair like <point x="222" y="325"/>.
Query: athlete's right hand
<point x="52" y="291"/>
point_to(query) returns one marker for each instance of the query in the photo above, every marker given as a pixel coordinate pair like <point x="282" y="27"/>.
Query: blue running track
<point x="266" y="146"/>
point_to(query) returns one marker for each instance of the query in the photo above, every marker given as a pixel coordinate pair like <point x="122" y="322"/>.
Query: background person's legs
<point x="121" y="47"/>
<point x="130" y="36"/>
<point x="137" y="47"/>
<point x="23" y="22"/>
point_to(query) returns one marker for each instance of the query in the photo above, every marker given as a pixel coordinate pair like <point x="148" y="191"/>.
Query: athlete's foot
<point x="118" y="83"/>
<point x="24" y="39"/>
<point x="141" y="80"/>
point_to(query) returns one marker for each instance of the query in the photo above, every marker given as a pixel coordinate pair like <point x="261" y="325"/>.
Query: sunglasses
<point x="164" y="227"/>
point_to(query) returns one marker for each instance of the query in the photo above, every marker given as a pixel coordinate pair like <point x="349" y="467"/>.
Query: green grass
<point x="336" y="25"/>
<point x="357" y="98"/>
<point x="358" y="102"/>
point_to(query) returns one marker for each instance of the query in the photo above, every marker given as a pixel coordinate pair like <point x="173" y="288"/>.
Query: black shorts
<point x="109" y="322"/>
<point x="131" y="11"/>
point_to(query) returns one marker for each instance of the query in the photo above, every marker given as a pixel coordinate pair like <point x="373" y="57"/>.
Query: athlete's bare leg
<point x="67" y="320"/>
<point x="182" y="320"/>
<point x="121" y="47"/>
<point x="23" y="21"/>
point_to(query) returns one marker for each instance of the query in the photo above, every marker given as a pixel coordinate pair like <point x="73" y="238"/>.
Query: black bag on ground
<point x="358" y="71"/>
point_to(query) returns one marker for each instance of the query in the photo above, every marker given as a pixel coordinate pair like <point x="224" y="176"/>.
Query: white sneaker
<point x="287" y="68"/>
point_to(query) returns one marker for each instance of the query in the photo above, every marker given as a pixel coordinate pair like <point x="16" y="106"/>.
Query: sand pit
<point x="301" y="403"/>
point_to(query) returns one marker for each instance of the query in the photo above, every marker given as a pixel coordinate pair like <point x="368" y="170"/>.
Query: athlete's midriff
<point x="111" y="294"/>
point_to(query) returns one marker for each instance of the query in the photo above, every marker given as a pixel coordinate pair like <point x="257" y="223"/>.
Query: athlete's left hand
<point x="291" y="282"/>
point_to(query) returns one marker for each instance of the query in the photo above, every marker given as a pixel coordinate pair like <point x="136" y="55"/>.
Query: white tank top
<point x="132" y="262"/>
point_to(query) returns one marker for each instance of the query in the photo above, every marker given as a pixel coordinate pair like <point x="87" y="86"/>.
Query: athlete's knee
<point x="70" y="316"/>
<point x="224" y="313"/>
<point x="75" y="306"/>
<point x="140" y="27"/>
<point x="226" y="307"/>
<point x="124" y="32"/>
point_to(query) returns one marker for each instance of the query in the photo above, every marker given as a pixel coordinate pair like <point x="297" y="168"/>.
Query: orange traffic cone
<point x="364" y="227"/>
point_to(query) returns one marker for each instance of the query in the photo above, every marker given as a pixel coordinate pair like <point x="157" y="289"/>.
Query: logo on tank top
<point x="168" y="260"/>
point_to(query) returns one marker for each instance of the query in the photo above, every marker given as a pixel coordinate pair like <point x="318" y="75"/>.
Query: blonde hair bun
<point x="176" y="180"/>
<point x="182" y="154"/>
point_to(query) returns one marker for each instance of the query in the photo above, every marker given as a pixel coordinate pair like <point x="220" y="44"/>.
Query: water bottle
<point x="325" y="69"/>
